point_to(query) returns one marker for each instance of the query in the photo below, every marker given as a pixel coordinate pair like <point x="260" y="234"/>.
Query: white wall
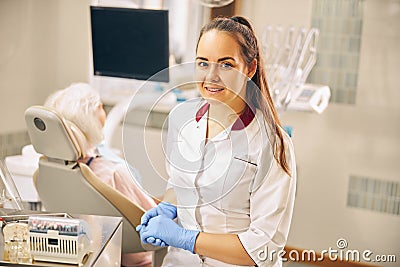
<point x="277" y="12"/>
<point x="361" y="139"/>
<point x="43" y="47"/>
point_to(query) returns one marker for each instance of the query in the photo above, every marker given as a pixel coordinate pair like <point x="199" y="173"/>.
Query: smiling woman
<point x="220" y="72"/>
<point x="231" y="166"/>
<point x="221" y="77"/>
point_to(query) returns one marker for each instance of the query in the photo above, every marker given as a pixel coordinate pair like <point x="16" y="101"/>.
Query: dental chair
<point x="66" y="185"/>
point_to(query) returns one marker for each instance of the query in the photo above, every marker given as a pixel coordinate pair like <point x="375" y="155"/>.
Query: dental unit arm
<point x="290" y="55"/>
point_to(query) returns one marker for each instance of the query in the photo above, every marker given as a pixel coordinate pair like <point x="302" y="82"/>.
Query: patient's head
<point x="80" y="104"/>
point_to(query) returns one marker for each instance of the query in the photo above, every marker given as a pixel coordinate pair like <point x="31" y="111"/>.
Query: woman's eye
<point x="226" y="65"/>
<point x="202" y="64"/>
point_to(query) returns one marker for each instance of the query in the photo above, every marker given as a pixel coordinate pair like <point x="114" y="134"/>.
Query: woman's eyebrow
<point x="202" y="58"/>
<point x="219" y="60"/>
<point x="226" y="58"/>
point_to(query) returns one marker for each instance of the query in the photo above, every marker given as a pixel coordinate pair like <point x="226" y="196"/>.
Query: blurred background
<point x="348" y="156"/>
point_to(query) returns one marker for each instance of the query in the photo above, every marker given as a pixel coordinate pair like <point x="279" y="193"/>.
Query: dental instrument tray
<point x="58" y="239"/>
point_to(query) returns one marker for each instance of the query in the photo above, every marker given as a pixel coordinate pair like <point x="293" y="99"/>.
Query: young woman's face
<point x="221" y="72"/>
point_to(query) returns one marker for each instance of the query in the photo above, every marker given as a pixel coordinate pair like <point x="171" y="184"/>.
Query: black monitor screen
<point x="130" y="43"/>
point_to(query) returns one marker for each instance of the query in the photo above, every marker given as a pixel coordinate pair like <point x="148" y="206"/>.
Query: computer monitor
<point x="130" y="43"/>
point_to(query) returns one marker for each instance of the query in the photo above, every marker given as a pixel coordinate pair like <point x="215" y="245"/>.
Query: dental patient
<point x="81" y="105"/>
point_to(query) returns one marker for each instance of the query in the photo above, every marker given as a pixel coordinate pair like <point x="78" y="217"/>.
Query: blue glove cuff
<point x="191" y="240"/>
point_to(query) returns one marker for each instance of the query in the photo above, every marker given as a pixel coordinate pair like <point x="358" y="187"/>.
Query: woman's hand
<point x="163" y="231"/>
<point x="164" y="208"/>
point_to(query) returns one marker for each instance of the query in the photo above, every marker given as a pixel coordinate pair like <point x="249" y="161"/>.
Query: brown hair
<point x="257" y="93"/>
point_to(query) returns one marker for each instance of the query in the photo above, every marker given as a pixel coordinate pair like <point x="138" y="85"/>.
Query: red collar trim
<point x="200" y="113"/>
<point x="244" y="119"/>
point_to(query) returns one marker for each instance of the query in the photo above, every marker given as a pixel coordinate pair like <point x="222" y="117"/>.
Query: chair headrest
<point x="54" y="136"/>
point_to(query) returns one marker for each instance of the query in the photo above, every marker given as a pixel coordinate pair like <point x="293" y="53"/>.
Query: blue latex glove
<point x="163" y="231"/>
<point x="156" y="242"/>
<point x="163" y="208"/>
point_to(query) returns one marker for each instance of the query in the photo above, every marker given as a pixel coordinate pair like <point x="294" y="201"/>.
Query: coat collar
<point x="244" y="119"/>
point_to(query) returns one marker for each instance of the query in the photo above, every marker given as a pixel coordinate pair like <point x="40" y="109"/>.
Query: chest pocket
<point x="236" y="187"/>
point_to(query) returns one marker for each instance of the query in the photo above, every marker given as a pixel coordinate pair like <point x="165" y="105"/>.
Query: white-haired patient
<point x="81" y="104"/>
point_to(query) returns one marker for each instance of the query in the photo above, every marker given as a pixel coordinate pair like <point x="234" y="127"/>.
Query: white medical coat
<point x="231" y="184"/>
